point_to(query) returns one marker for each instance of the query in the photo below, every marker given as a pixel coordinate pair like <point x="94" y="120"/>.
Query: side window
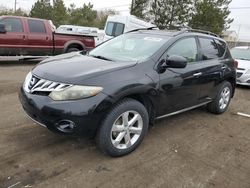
<point x="114" y="29"/>
<point x="13" y="24"/>
<point x="209" y="49"/>
<point x="185" y="47"/>
<point x="109" y="29"/>
<point x="119" y="29"/>
<point x="222" y="47"/>
<point x="36" y="26"/>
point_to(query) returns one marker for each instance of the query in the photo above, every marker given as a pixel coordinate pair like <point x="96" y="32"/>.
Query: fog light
<point x="65" y="126"/>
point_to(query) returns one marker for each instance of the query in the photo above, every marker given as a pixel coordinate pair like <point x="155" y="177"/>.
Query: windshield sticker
<point x="154" y="39"/>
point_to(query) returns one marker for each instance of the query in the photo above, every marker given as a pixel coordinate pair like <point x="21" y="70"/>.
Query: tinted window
<point x="119" y="29"/>
<point x="209" y="49"/>
<point x="109" y="29"/>
<point x="36" y="26"/>
<point x="13" y="24"/>
<point x="186" y="48"/>
<point x="222" y="47"/>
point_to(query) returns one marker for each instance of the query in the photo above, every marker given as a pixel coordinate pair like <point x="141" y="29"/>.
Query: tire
<point x="222" y="100"/>
<point x="72" y="50"/>
<point x="118" y="140"/>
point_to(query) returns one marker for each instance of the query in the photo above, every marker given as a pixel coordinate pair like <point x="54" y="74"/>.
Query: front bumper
<point x="85" y="113"/>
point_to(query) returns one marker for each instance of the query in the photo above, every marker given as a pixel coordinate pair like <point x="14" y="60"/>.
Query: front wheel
<point x="222" y="100"/>
<point x="123" y="129"/>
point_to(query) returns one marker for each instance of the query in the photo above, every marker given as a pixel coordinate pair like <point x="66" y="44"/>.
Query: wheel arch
<point x="232" y="81"/>
<point x="146" y="101"/>
<point x="74" y="44"/>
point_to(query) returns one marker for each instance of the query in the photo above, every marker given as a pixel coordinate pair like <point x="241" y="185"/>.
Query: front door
<point x="179" y="88"/>
<point x="40" y="41"/>
<point x="14" y="40"/>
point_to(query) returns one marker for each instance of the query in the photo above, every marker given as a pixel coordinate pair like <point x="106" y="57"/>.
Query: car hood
<point x="75" y="67"/>
<point x="243" y="64"/>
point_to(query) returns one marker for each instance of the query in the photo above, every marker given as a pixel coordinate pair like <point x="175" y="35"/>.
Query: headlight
<point x="75" y="92"/>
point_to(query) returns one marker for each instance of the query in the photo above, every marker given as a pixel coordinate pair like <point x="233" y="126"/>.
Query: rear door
<point x="212" y="66"/>
<point x="40" y="40"/>
<point x="14" y="40"/>
<point x="179" y="88"/>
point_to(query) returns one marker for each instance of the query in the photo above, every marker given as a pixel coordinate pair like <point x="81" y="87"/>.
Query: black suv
<point x="119" y="88"/>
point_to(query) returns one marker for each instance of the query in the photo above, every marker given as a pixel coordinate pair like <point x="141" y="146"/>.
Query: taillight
<point x="236" y="64"/>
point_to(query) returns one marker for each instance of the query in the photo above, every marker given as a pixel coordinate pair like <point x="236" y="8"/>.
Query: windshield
<point x="240" y="53"/>
<point x="129" y="47"/>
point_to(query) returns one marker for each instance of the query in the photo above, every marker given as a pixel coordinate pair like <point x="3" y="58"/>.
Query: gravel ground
<point x="193" y="149"/>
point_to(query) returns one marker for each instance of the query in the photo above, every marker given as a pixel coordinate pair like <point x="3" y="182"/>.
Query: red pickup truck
<point x="31" y="36"/>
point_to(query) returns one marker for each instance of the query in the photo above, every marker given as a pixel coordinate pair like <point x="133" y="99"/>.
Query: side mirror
<point x="176" y="61"/>
<point x="2" y="28"/>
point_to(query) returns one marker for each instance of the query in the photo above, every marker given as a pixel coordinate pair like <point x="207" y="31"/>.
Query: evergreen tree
<point x="84" y="16"/>
<point x="59" y="13"/>
<point x="41" y="9"/>
<point x="170" y="14"/>
<point x="211" y="15"/>
<point x="139" y="8"/>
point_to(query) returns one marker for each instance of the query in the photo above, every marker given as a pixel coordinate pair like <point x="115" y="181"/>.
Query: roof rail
<point x="197" y="31"/>
<point x="146" y="28"/>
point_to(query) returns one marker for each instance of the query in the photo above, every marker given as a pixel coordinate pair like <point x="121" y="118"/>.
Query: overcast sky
<point x="241" y="16"/>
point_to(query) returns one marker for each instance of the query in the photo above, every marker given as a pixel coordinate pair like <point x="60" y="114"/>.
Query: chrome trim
<point x="183" y="110"/>
<point x="197" y="74"/>
<point x="43" y="85"/>
<point x="37" y="122"/>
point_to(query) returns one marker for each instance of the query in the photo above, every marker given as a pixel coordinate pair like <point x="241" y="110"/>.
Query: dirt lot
<point x="193" y="149"/>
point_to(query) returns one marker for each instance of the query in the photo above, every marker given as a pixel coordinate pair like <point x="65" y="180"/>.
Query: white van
<point x="117" y="25"/>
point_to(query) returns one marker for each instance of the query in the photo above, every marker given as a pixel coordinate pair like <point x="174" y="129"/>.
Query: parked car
<point x="31" y="36"/>
<point x="242" y="56"/>
<point x="119" y="88"/>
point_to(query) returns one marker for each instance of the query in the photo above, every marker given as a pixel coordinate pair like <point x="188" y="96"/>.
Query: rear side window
<point x="221" y="46"/>
<point x="114" y="29"/>
<point x="209" y="49"/>
<point x="36" y="26"/>
<point x="12" y="24"/>
<point x="186" y="48"/>
<point x="119" y="29"/>
<point x="109" y="29"/>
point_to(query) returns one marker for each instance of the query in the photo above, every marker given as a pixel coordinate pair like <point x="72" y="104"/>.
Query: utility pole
<point x="15" y="6"/>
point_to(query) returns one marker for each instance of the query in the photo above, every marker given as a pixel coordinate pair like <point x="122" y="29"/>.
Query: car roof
<point x="173" y="33"/>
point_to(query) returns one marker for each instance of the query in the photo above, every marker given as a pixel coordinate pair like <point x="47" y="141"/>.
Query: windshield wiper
<point x="101" y="57"/>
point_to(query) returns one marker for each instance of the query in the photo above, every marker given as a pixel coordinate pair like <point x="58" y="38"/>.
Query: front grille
<point x="34" y="84"/>
<point x="239" y="74"/>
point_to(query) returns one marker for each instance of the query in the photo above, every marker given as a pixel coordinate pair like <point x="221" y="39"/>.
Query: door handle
<point x="23" y="37"/>
<point x="197" y="74"/>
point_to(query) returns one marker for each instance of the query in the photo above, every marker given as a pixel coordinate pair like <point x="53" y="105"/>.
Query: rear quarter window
<point x="209" y="49"/>
<point x="36" y="26"/>
<point x="222" y="46"/>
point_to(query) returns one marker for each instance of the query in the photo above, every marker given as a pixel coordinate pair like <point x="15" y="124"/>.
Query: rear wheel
<point x="72" y="50"/>
<point x="222" y="100"/>
<point x="123" y="129"/>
